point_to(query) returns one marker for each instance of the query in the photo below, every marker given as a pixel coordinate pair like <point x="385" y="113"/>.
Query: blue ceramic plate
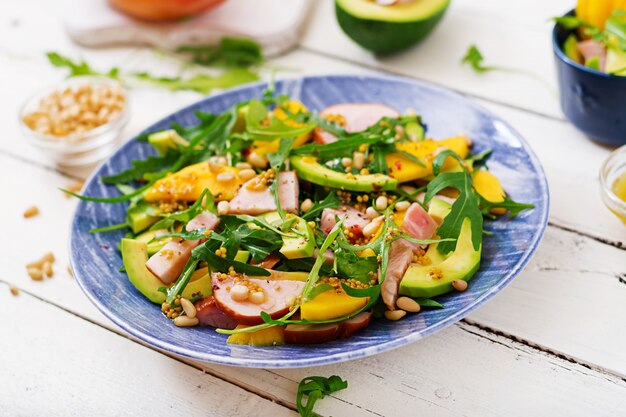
<point x="95" y="259"/>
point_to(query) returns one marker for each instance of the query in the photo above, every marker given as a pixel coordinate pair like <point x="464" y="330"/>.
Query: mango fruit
<point x="489" y="186"/>
<point x="597" y="11"/>
<point x="331" y="304"/>
<point x="404" y="169"/>
<point x="188" y="183"/>
<point x="266" y="337"/>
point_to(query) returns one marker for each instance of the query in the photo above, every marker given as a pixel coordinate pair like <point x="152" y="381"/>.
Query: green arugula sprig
<point x="141" y="167"/>
<point x="78" y="68"/>
<point x="265" y="126"/>
<point x="315" y="388"/>
<point x="201" y="83"/>
<point x="475" y="59"/>
<point x="231" y="52"/>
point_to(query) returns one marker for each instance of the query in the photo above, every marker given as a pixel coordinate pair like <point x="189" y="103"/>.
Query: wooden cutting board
<point x="275" y="24"/>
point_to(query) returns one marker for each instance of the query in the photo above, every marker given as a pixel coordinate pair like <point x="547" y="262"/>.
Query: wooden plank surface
<point x="57" y="364"/>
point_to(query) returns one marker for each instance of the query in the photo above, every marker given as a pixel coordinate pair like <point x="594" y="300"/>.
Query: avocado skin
<point x="385" y="37"/>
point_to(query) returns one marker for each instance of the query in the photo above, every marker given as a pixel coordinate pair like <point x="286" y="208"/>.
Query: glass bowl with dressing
<point x="613" y="182"/>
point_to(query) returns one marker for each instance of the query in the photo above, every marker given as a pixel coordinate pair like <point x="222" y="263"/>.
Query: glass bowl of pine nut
<point x="77" y="122"/>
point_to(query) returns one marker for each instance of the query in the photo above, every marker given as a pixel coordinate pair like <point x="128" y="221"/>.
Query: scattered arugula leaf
<point x="428" y="302"/>
<point x="201" y="83"/>
<point x="77" y="68"/>
<point x="109" y="228"/>
<point x="265" y="126"/>
<point x="315" y="388"/>
<point x="475" y="59"/>
<point x="231" y="52"/>
<point x="513" y="207"/>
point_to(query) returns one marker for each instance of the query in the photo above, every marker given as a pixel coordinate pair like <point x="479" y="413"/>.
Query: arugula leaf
<point x="231" y="52"/>
<point x="318" y="289"/>
<point x="570" y="22"/>
<point x="77" y="68"/>
<point x="330" y="201"/>
<point x="314" y="274"/>
<point x="465" y="206"/>
<point x="109" y="228"/>
<point x="479" y="160"/>
<point x="513" y="207"/>
<point x="427" y="302"/>
<point x="475" y="59"/>
<point x="350" y="265"/>
<point x="315" y="388"/>
<point x="264" y="126"/>
<point x="204" y="202"/>
<point x="140" y="167"/>
<point x="202" y="83"/>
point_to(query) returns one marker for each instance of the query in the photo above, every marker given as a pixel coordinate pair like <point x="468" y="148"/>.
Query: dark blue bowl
<point x="95" y="260"/>
<point x="593" y="101"/>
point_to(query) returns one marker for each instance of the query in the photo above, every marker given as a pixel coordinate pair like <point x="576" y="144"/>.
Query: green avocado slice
<point x="386" y="29"/>
<point x="135" y="256"/>
<point x="297" y="247"/>
<point x="309" y="169"/>
<point x="461" y="264"/>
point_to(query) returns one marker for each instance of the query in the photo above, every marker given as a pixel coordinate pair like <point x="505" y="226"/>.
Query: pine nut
<point x="190" y="309"/>
<point x="14" y="291"/>
<point x="223" y="207"/>
<point x="243" y="165"/>
<point x="257" y="297"/>
<point x="257" y="160"/>
<point x="225" y="176"/>
<point x="408" y="304"/>
<point x="346" y="162"/>
<point x="290" y="300"/>
<point x="381" y="203"/>
<point x="35" y="274"/>
<point x="214" y="167"/>
<point x="373" y="226"/>
<point x="246" y="174"/>
<point x="221" y="160"/>
<point x="31" y="212"/>
<point x="358" y="160"/>
<point x="459" y="285"/>
<point x="402" y="206"/>
<point x="239" y="293"/>
<point x="371" y="213"/>
<point x="48" y="257"/>
<point x="36" y="264"/>
<point x="306" y="205"/>
<point x="394" y="315"/>
<point x="184" y="321"/>
<point x="47" y="269"/>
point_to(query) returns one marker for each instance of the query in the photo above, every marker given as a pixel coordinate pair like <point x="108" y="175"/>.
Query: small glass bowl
<point x="76" y="149"/>
<point x="613" y="168"/>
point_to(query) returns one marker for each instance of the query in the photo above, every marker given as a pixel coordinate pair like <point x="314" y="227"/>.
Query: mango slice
<point x="330" y="305"/>
<point x="488" y="186"/>
<point x="266" y="337"/>
<point x="188" y="183"/>
<point x="404" y="169"/>
<point x="263" y="148"/>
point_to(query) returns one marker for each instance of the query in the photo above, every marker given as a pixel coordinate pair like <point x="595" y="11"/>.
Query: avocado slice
<point x="570" y="47"/>
<point x="301" y="246"/>
<point x="166" y="139"/>
<point x="140" y="216"/>
<point x="309" y="169"/>
<point x="386" y="29"/>
<point x="460" y="264"/>
<point x="153" y="247"/>
<point x="135" y="256"/>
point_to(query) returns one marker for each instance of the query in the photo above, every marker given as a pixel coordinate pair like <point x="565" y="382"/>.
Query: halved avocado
<point x="386" y="29"/>
<point x="135" y="256"/>
<point x="299" y="246"/>
<point x="461" y="264"/>
<point x="309" y="169"/>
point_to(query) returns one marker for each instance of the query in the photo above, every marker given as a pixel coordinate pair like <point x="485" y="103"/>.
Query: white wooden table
<point x="553" y="343"/>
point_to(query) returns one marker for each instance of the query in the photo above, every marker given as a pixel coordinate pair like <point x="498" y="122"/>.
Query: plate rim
<point x="336" y="357"/>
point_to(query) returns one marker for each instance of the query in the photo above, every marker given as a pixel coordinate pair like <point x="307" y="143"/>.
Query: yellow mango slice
<point x="262" y="148"/>
<point x="488" y="186"/>
<point x="330" y="305"/>
<point x="403" y="169"/>
<point x="266" y="337"/>
<point x="188" y="183"/>
<point x="366" y="253"/>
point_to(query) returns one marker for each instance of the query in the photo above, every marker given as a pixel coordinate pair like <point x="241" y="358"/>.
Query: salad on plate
<point x="276" y="224"/>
